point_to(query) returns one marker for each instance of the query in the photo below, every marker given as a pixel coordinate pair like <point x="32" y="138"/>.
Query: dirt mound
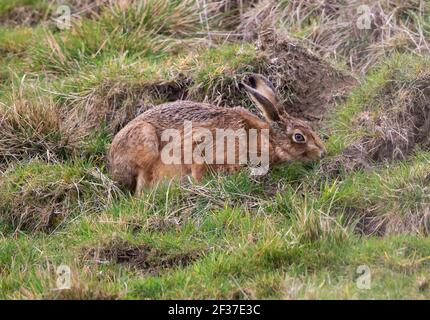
<point x="311" y="84"/>
<point x="396" y="121"/>
<point x="308" y="85"/>
<point x="144" y="257"/>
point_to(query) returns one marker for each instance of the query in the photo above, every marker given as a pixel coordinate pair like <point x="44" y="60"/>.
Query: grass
<point x="245" y="257"/>
<point x="6" y="6"/>
<point x="299" y="232"/>
<point x="399" y="70"/>
<point x="343" y="31"/>
<point x="39" y="196"/>
<point x="132" y="29"/>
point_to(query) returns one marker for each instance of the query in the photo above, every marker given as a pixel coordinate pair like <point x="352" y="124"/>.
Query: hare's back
<point x="174" y="114"/>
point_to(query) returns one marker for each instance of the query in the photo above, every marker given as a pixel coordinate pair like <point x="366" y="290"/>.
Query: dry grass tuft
<point x="39" y="196"/>
<point x="115" y="102"/>
<point x="415" y="221"/>
<point x="31" y="126"/>
<point x="335" y="27"/>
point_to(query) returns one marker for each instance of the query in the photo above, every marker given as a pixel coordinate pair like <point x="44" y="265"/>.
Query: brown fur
<point x="134" y="156"/>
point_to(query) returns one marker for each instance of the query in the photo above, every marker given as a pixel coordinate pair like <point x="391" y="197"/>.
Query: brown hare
<point x="136" y="153"/>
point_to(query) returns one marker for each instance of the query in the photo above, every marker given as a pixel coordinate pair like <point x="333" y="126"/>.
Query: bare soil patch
<point x="312" y="86"/>
<point x="143" y="257"/>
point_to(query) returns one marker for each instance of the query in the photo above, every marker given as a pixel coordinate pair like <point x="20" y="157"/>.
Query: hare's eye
<point x="299" y="138"/>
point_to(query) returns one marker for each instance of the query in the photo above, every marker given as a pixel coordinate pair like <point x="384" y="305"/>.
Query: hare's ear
<point x="264" y="96"/>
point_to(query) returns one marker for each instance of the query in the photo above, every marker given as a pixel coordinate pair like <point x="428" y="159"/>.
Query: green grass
<point x="285" y="247"/>
<point x="14" y="43"/>
<point x="137" y="30"/>
<point x="38" y="196"/>
<point x="299" y="232"/>
<point x="245" y="256"/>
<point x="398" y="70"/>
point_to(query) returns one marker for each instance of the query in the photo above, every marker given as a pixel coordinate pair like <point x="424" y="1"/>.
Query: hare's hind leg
<point x="146" y="154"/>
<point x="142" y="181"/>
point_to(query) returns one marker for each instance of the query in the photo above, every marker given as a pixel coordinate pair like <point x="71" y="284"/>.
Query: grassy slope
<point x="287" y="235"/>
